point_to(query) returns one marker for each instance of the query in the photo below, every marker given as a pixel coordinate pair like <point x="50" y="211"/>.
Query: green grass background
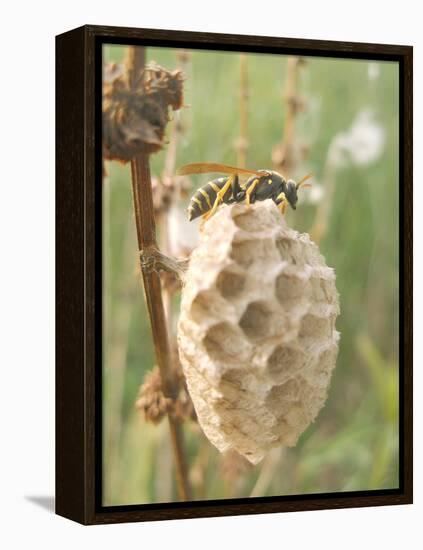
<point x="353" y="445"/>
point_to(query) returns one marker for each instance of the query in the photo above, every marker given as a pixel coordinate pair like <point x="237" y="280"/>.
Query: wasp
<point x="260" y="185"/>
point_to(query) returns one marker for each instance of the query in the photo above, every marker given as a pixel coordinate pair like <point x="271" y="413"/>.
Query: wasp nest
<point x="256" y="334"/>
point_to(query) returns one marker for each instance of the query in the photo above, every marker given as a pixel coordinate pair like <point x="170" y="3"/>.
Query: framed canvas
<point x="234" y="274"/>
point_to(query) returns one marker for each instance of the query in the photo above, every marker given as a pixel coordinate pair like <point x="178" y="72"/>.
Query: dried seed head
<point x="165" y="190"/>
<point x="287" y="156"/>
<point x="134" y="119"/>
<point x="154" y="405"/>
<point x="151" y="400"/>
<point x="183" y="56"/>
<point x="256" y="334"/>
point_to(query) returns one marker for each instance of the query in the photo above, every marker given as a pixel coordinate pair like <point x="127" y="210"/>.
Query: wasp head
<point x="291" y="194"/>
<point x="291" y="190"/>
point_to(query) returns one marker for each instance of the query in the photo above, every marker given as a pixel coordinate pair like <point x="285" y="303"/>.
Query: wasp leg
<point x="250" y="191"/>
<point x="283" y="202"/>
<point x="236" y="188"/>
<point x="238" y="193"/>
<point x="282" y="207"/>
<point x="219" y="198"/>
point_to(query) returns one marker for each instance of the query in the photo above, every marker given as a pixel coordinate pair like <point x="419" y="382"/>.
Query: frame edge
<point x="75" y="191"/>
<point x="70" y="276"/>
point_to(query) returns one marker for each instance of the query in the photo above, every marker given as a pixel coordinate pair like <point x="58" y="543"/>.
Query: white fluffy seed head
<point x="256" y="334"/>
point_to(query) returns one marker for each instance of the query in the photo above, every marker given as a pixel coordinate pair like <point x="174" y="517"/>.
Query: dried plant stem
<point x="177" y="129"/>
<point x="135" y="63"/>
<point x="170" y="160"/>
<point x="168" y="172"/>
<point x="242" y="144"/>
<point x="284" y="156"/>
<point x="268" y="472"/>
<point x="141" y="183"/>
<point x="199" y="468"/>
<point x="146" y="234"/>
<point x="290" y="99"/>
<point x="168" y="177"/>
<point x="167" y="296"/>
<point x="321" y="220"/>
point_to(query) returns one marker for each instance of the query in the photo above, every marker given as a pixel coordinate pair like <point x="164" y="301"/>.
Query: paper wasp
<point x="261" y="185"/>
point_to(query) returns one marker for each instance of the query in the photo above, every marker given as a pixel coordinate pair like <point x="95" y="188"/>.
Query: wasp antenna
<point x="302" y="183"/>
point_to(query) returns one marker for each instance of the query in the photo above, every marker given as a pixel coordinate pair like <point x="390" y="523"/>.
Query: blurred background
<point x="338" y="119"/>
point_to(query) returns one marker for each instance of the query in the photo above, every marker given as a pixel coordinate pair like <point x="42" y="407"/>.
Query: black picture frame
<point x="78" y="273"/>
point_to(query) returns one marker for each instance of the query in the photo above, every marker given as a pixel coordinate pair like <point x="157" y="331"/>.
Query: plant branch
<point x="284" y="154"/>
<point x="146" y="235"/>
<point x="242" y="142"/>
<point x="153" y="260"/>
<point x="291" y="99"/>
<point x="321" y="220"/>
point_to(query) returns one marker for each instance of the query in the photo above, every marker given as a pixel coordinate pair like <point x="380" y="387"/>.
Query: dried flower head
<point x="256" y="334"/>
<point x="285" y="157"/>
<point x="135" y="118"/>
<point x="183" y="56"/>
<point x="151" y="401"/>
<point x="166" y="189"/>
<point x="154" y="405"/>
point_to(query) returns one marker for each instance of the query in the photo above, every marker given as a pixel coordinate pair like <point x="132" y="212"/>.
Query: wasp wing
<point x="207" y="167"/>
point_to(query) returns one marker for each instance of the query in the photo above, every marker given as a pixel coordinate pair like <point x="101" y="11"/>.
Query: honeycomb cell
<point x="290" y="250"/>
<point x="286" y="248"/>
<point x="258" y="320"/>
<point x="312" y="256"/>
<point x="282" y="397"/>
<point x="284" y="362"/>
<point x="325" y="365"/>
<point x="323" y="290"/>
<point x="224" y="343"/>
<point x="290" y="289"/>
<point x="200" y="306"/>
<point x="230" y="385"/>
<point x="315" y="328"/>
<point x="230" y="283"/>
<point x="249" y="252"/>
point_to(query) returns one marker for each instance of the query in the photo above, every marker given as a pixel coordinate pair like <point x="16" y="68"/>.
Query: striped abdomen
<point x="203" y="199"/>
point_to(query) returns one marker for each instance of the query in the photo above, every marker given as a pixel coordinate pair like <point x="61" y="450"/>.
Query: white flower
<point x="362" y="144"/>
<point x="316" y="193"/>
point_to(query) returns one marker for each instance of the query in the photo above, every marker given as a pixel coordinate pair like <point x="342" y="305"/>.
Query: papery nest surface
<point x="256" y="334"/>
